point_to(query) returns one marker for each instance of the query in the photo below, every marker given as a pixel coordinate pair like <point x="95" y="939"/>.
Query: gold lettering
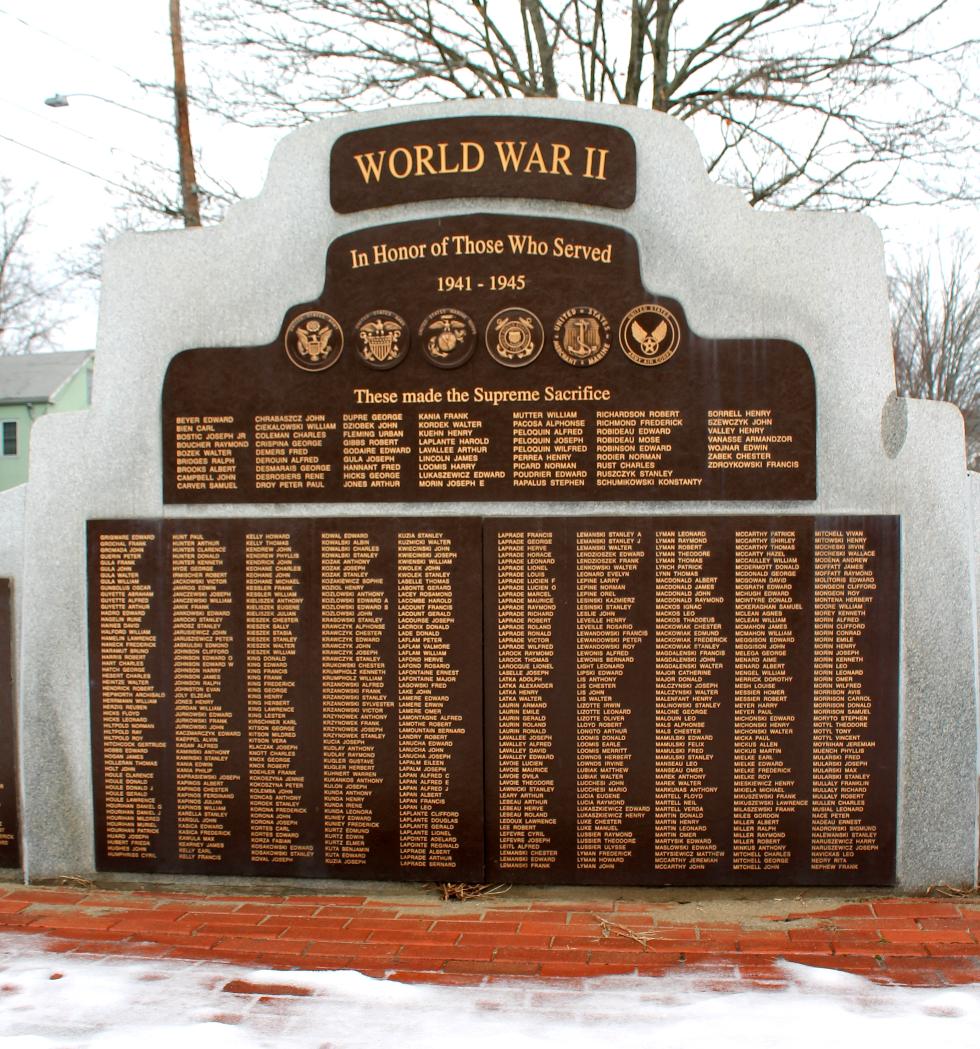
<point x="536" y="160"/>
<point x="510" y="159"/>
<point x="514" y="156"/>
<point x="423" y="159"/>
<point x="559" y="158"/>
<point x="590" y="154"/>
<point x="429" y="396"/>
<point x="362" y="395"/>
<point x="443" y="169"/>
<point x="408" y="158"/>
<point x="371" y="165"/>
<point x="475" y="147"/>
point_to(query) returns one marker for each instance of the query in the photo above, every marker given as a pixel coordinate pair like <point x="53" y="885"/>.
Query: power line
<point x="91" y="138"/>
<point x="215" y="191"/>
<point x="67" y="163"/>
<point x="71" y="47"/>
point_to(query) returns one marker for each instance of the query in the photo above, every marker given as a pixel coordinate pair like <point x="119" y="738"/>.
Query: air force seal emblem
<point x="649" y="335"/>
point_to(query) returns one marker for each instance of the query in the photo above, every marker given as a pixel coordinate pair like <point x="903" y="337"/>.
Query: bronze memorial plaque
<point x="9" y="820"/>
<point x="287" y="697"/>
<point x="488" y="358"/>
<point x="528" y="157"/>
<point x="691" y="700"/>
<point x="627" y="700"/>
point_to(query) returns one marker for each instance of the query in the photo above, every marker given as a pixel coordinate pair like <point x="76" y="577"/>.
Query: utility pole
<point x="188" y="177"/>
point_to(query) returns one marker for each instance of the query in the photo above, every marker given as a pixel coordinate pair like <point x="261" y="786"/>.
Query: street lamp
<point x="59" y="101"/>
<point x="188" y="179"/>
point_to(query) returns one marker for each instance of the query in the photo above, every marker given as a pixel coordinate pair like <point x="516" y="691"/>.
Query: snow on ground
<point x="55" y="1001"/>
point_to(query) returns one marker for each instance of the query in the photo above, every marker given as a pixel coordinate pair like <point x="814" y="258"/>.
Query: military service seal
<point x="313" y="341"/>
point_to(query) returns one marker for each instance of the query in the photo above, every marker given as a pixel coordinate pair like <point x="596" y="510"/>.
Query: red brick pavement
<point x="912" y="941"/>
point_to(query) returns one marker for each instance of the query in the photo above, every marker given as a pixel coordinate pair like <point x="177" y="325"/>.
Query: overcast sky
<point x="104" y="48"/>
<point x="107" y="48"/>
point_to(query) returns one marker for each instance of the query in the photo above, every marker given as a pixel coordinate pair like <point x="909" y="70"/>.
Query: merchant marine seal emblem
<point x="581" y="336"/>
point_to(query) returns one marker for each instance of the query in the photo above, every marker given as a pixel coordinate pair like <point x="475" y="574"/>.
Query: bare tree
<point x="936" y="334"/>
<point x="156" y="202"/>
<point x="153" y="202"/>
<point x="28" y="306"/>
<point x="149" y="200"/>
<point x="152" y="199"/>
<point x="799" y="102"/>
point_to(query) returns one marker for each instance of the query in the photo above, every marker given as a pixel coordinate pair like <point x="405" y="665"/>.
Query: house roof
<point x="37" y="377"/>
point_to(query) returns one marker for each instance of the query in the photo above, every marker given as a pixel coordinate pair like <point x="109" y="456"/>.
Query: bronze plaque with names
<point x="287" y="697"/>
<point x="9" y="818"/>
<point x="691" y="700"/>
<point x="489" y="358"/>
<point x="528" y="157"/>
<point x="644" y="701"/>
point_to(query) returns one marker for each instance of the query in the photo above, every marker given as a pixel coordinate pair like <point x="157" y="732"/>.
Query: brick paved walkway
<point x="913" y="941"/>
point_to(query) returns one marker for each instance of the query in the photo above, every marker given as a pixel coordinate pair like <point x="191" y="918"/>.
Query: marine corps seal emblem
<point x="514" y="337"/>
<point x="313" y="341"/>
<point x="448" y="338"/>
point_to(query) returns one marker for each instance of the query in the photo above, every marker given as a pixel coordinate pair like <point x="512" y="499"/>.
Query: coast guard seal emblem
<point x="514" y="337"/>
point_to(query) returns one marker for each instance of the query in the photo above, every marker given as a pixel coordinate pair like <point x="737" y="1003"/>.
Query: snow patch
<point x="117" y="1003"/>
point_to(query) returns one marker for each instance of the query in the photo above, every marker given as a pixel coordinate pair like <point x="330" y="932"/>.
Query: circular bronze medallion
<point x="382" y="339"/>
<point x="448" y="338"/>
<point x="514" y="337"/>
<point x="581" y="336"/>
<point x="313" y="341"/>
<point x="649" y="334"/>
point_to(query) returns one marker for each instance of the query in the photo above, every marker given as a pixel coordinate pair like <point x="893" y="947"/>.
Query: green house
<point x="31" y="385"/>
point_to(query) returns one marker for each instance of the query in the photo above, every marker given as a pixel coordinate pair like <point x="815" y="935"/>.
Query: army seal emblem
<point x="313" y="341"/>
<point x="581" y="336"/>
<point x="514" y="337"/>
<point x="382" y="339"/>
<point x="448" y="338"/>
<point x="649" y="334"/>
